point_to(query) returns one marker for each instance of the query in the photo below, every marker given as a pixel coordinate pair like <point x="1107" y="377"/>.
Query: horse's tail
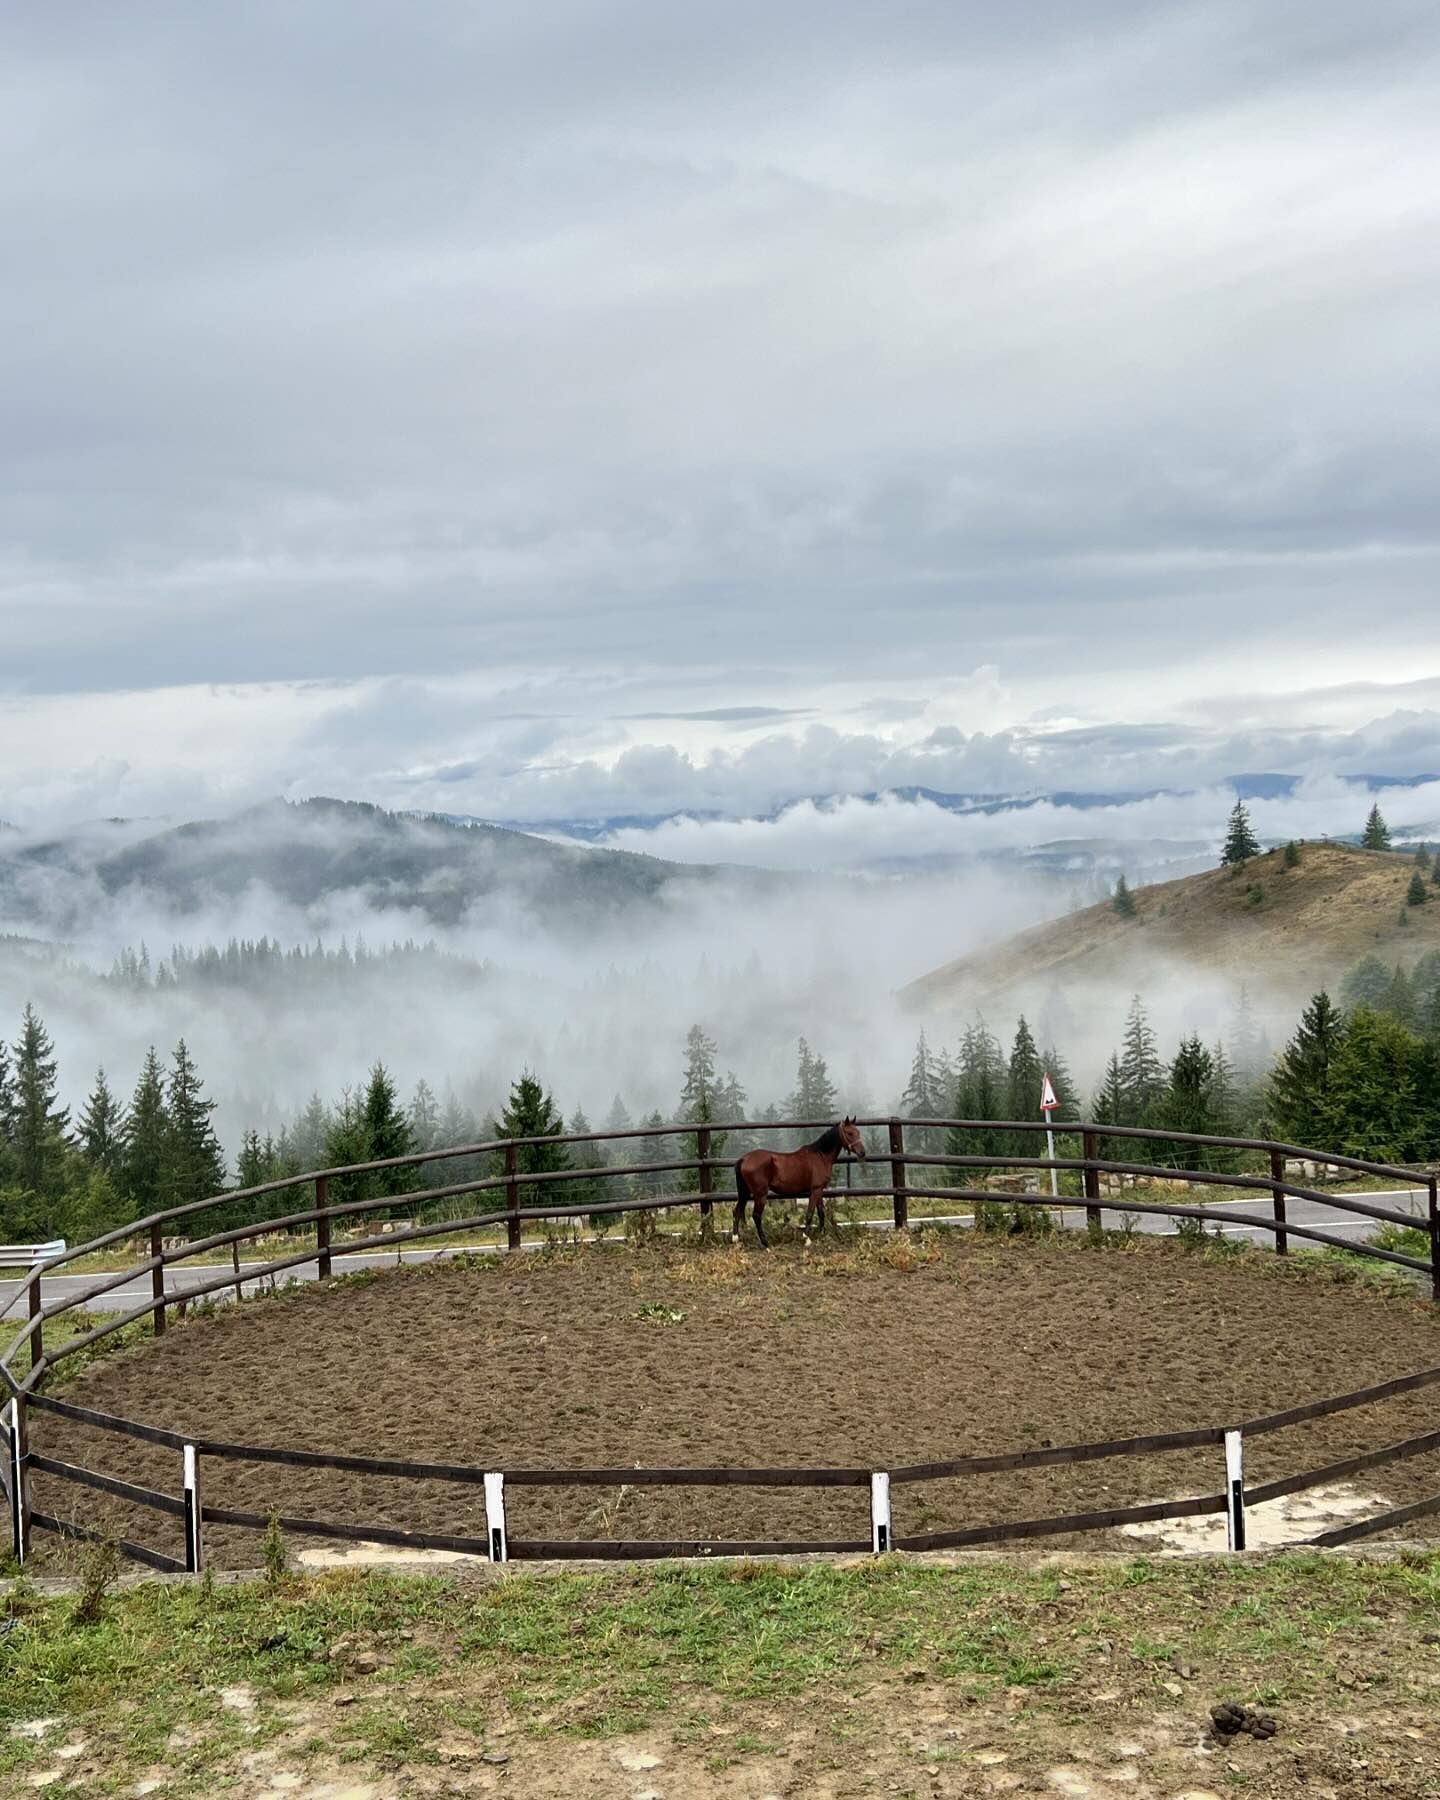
<point x="741" y="1187"/>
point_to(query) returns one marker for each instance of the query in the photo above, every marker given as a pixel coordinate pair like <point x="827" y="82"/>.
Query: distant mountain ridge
<point x="1261" y="785"/>
<point x="306" y="850"/>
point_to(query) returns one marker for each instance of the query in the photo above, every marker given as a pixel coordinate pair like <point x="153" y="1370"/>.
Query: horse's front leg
<point x="817" y="1207"/>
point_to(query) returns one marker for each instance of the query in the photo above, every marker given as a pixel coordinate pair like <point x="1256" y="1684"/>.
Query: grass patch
<point x="592" y="1655"/>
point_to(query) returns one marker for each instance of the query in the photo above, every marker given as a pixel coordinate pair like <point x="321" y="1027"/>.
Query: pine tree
<point x="1189" y="1101"/>
<point x="252" y="1166"/>
<point x="192" y="1166"/>
<point x="143" y="1149"/>
<point x="1111" y="1106"/>
<point x="424" y="1116"/>
<point x="1367" y="983"/>
<point x="697" y="1092"/>
<point x="1246" y="1049"/>
<point x="101" y="1128"/>
<point x="1377" y="833"/>
<point x="1435" y="874"/>
<point x="39" y="1127"/>
<point x="7" y="1111"/>
<point x="1292" y="855"/>
<point x="311" y="1137"/>
<point x="1423" y="859"/>
<point x="921" y="1099"/>
<point x="979" y="1096"/>
<point x="1123" y="900"/>
<point x="814" y="1097"/>
<point x="1141" y="1070"/>
<point x="1024" y="1075"/>
<point x="1416" y="895"/>
<point x="1378" y="1081"/>
<point x="593" y="1189"/>
<point x="1300" y="1087"/>
<point x="530" y="1112"/>
<point x="1240" y="840"/>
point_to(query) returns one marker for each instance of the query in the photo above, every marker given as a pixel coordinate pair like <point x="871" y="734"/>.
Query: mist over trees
<point x="1360" y="1075"/>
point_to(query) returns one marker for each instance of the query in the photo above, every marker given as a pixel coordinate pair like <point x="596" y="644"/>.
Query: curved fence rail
<point x="512" y="1187"/>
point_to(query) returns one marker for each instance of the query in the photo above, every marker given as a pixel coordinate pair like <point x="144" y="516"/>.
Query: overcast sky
<point x="552" y="409"/>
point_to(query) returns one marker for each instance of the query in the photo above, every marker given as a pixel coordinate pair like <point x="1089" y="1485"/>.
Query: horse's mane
<point x="829" y="1140"/>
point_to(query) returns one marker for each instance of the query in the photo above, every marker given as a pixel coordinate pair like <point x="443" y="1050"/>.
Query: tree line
<point x="1361" y="1077"/>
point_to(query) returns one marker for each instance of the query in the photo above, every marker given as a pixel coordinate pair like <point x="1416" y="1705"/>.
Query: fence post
<point x="1091" y="1150"/>
<point x="1435" y="1238"/>
<point x="512" y="1199"/>
<point x="495" y="1518"/>
<point x="157" y="1279"/>
<point x="702" y="1147"/>
<point x="322" y="1227"/>
<point x="1277" y="1177"/>
<point x="880" y="1513"/>
<point x="194" y="1545"/>
<point x="1234" y="1491"/>
<point x="37" y="1336"/>
<point x="17" y="1477"/>
<point x="897" y="1174"/>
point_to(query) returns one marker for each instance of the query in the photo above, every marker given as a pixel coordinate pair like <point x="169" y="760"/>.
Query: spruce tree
<point x="7" y="1112"/>
<point x="1292" y="855"/>
<point x="1188" y="1104"/>
<point x="920" y="1099"/>
<point x="697" y="1091"/>
<point x="1245" y="1046"/>
<point x="593" y="1189"/>
<point x="815" y="1098"/>
<point x="1423" y="859"/>
<point x="192" y="1166"/>
<point x="1240" y="840"/>
<point x="531" y="1112"/>
<point x="424" y="1116"/>
<point x="1111" y="1107"/>
<point x="618" y="1118"/>
<point x="1376" y="835"/>
<point x="1378" y="1081"/>
<point x="1024" y="1075"/>
<point x="1300" y="1087"/>
<point x="38" y="1132"/>
<point x="1141" y="1069"/>
<point x="979" y="1096"/>
<point x="143" y="1147"/>
<point x="1416" y="895"/>
<point x="1367" y="984"/>
<point x="1435" y="874"/>
<point x="1123" y="900"/>
<point x="101" y="1128"/>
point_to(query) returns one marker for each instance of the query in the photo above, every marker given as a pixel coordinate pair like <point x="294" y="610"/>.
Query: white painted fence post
<point x="880" y="1513"/>
<point x="1234" y="1491"/>
<point x="495" y="1518"/>
<point x="194" y="1541"/>
<point x="15" y="1478"/>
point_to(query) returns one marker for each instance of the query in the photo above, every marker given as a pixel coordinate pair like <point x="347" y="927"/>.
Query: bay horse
<point x="791" y="1173"/>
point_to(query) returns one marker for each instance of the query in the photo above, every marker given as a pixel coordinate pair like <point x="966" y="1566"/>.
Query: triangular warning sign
<point x="1048" y="1102"/>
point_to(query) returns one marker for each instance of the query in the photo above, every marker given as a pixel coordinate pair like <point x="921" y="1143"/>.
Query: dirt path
<point x="871" y="1355"/>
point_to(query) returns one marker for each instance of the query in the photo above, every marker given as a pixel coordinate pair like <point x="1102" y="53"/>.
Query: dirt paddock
<point x="872" y="1354"/>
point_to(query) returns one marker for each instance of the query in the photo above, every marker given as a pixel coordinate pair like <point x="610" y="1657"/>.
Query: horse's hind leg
<point x="760" y="1222"/>
<point x="737" y="1223"/>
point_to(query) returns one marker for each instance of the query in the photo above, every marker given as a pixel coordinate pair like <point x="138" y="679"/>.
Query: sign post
<point x="1048" y="1104"/>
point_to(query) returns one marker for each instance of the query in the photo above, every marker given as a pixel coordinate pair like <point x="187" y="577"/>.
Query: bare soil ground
<point x="870" y="1354"/>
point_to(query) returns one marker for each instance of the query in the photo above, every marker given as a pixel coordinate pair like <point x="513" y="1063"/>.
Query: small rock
<point x="932" y="1768"/>
<point x="1173" y="1689"/>
<point x="342" y="1699"/>
<point x="285" y="1781"/>
<point x="1184" y="1668"/>
<point x="636" y="1762"/>
<point x="497" y="1759"/>
<point x="238" y="1699"/>
<point x="989" y="1758"/>
<point x="33" y="1728"/>
<point x="70" y="1751"/>
<point x="366" y="1663"/>
<point x="46" y="1778"/>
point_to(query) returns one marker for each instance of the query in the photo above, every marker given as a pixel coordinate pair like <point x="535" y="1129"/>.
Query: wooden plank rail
<point x="545" y="1188"/>
<point x="140" y="1553"/>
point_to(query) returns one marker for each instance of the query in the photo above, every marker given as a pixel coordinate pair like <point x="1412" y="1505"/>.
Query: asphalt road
<point x="184" y="1279"/>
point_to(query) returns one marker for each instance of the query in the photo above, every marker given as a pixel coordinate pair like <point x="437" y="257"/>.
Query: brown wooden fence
<point x="18" y="1461"/>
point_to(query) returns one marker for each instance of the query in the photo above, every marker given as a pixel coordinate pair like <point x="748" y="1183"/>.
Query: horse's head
<point x="850" y="1137"/>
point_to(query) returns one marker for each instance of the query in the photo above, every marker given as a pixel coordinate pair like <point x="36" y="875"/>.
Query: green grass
<point x="587" y="1655"/>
